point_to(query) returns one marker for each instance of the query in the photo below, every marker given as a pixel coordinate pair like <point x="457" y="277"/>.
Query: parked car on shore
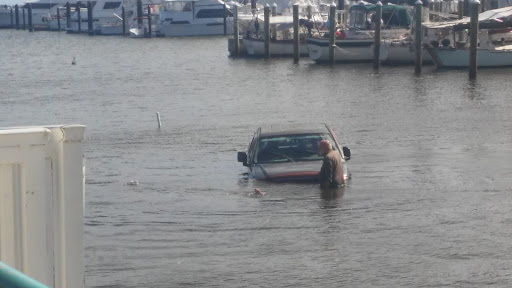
<point x="289" y="152"/>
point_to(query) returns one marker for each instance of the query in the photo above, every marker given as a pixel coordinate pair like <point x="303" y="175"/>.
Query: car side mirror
<point x="346" y="153"/>
<point x="242" y="157"/>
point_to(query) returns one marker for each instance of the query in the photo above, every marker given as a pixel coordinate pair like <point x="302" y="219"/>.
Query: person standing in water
<point x="331" y="173"/>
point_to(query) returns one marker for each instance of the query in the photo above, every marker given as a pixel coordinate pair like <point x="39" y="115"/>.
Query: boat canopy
<point x="392" y="15"/>
<point x="498" y="16"/>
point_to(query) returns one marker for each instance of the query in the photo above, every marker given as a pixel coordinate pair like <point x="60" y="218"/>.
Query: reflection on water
<point x="430" y="166"/>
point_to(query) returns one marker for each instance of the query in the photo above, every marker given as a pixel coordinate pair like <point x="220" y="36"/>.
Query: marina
<point x="172" y="201"/>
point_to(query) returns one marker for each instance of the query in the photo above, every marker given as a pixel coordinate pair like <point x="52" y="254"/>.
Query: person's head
<point x="324" y="147"/>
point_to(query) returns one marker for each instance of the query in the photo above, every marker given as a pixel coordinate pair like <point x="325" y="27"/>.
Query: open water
<point x="429" y="203"/>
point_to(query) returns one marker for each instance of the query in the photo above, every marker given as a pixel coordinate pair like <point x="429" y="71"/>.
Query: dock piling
<point x="309" y="11"/>
<point x="236" y="36"/>
<point x="296" y="51"/>
<point x="17" y="14"/>
<point x="89" y="18"/>
<point x="68" y="15"/>
<point x="473" y="41"/>
<point x="332" y="32"/>
<point x="253" y="7"/>
<point x="225" y="16"/>
<point x="23" y="26"/>
<point x="274" y="9"/>
<point x="418" y="37"/>
<point x="139" y="14"/>
<point x="30" y="23"/>
<point x="149" y="21"/>
<point x="58" y="18"/>
<point x="158" y="119"/>
<point x="376" y="45"/>
<point x="12" y="18"/>
<point x="266" y="32"/>
<point x="79" y="16"/>
<point x="123" y="15"/>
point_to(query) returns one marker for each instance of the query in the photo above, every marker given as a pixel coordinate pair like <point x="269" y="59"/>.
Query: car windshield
<point x="289" y="148"/>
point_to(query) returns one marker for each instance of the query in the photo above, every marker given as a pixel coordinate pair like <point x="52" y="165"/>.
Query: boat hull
<point x="195" y="29"/>
<point x="459" y="58"/>
<point x="256" y="47"/>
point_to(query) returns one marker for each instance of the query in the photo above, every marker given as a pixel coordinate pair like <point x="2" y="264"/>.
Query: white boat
<point x="459" y="58"/>
<point x="5" y="16"/>
<point x="345" y="50"/>
<point x="107" y="16"/>
<point x="195" y="18"/>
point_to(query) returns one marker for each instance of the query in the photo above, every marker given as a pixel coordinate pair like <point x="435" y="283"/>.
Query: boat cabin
<point x="185" y="10"/>
<point x="362" y="16"/>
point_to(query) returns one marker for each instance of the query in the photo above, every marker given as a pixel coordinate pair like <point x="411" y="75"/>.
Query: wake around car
<point x="290" y="152"/>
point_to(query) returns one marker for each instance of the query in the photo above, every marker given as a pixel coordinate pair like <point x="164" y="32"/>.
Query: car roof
<point x="290" y="129"/>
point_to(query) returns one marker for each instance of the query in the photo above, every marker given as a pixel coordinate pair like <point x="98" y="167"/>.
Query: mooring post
<point x="89" y="18"/>
<point x="17" y="14"/>
<point x="332" y="32"/>
<point x="149" y="20"/>
<point x="253" y="7"/>
<point x="236" y="36"/>
<point x="139" y="14"/>
<point x="23" y="26"/>
<point x="12" y="18"/>
<point x="123" y="15"/>
<point x="296" y="51"/>
<point x="68" y="15"/>
<point x="418" y="37"/>
<point x="30" y="25"/>
<point x="309" y="11"/>
<point x="58" y="18"/>
<point x="460" y="14"/>
<point x="266" y="32"/>
<point x="274" y="9"/>
<point x="482" y="6"/>
<point x="158" y="118"/>
<point x="376" y="45"/>
<point x="466" y="7"/>
<point x="79" y="16"/>
<point x="225" y="16"/>
<point x="473" y="41"/>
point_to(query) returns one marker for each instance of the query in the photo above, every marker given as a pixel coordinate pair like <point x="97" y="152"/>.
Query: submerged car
<point x="289" y="152"/>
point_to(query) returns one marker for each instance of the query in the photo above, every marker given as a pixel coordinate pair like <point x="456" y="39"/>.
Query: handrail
<point x="12" y="278"/>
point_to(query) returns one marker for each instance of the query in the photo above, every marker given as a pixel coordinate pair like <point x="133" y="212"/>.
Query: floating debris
<point x="133" y="183"/>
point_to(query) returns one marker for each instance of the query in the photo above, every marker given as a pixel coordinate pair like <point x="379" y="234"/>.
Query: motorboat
<point x="195" y="18"/>
<point x="355" y="43"/>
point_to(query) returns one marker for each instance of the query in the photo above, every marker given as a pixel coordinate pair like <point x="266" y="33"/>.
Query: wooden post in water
<point x="236" y="36"/>
<point x="466" y="7"/>
<point x="460" y="14"/>
<point x="123" y="15"/>
<point x="274" y="9"/>
<point x="12" y="18"/>
<point x="332" y="32"/>
<point x="23" y="26"/>
<point x="68" y="15"/>
<point x="266" y="28"/>
<point x="139" y="14"/>
<point x="482" y="6"/>
<point x="149" y="20"/>
<point x="296" y="51"/>
<point x="30" y="26"/>
<point x="58" y="18"/>
<point x="79" y="16"/>
<point x="473" y="41"/>
<point x="418" y="37"/>
<point x="376" y="45"/>
<point x="253" y="7"/>
<point x="89" y="18"/>
<point x="225" y="22"/>
<point x="17" y="14"/>
<point x="309" y="11"/>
